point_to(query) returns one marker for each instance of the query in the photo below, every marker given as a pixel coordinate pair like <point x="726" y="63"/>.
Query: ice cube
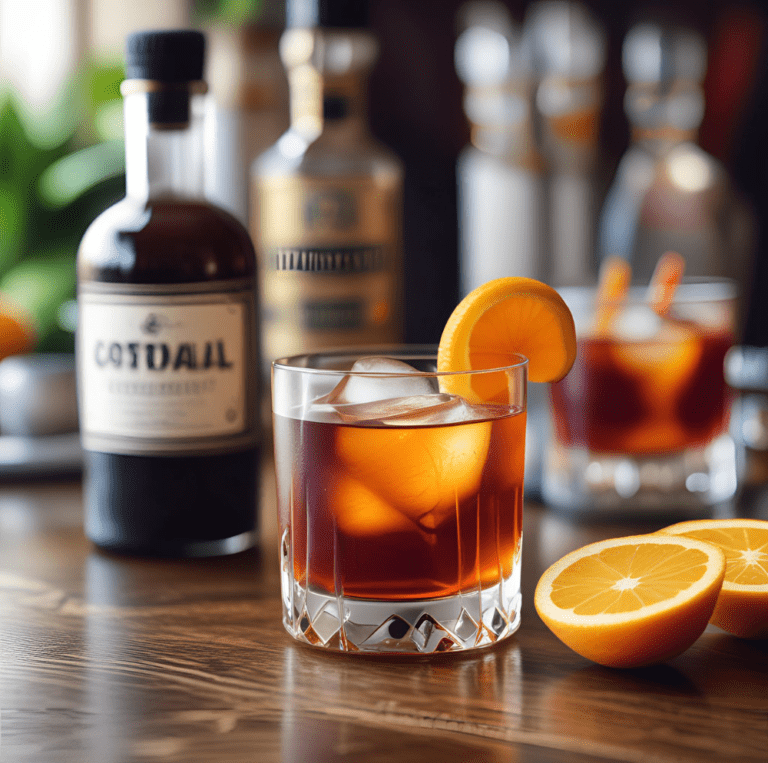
<point x="418" y="410"/>
<point x="380" y="385"/>
<point x="636" y="323"/>
<point x="422" y="472"/>
<point x="360" y="512"/>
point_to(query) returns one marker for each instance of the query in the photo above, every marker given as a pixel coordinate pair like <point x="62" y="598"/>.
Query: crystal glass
<point x="400" y="495"/>
<point x="641" y="421"/>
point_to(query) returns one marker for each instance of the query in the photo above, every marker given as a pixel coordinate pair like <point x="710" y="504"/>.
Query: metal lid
<point x="656" y="53"/>
<point x="487" y="50"/>
<point x="566" y="39"/>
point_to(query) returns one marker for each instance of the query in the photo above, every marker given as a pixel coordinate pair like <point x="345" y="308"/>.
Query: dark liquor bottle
<point x="167" y="332"/>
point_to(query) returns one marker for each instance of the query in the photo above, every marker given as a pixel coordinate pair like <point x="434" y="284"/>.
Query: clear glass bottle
<point x="326" y="198"/>
<point x="500" y="174"/>
<point x="248" y="110"/>
<point x="568" y="48"/>
<point x="502" y="211"/>
<point x="167" y="343"/>
<point x="668" y="193"/>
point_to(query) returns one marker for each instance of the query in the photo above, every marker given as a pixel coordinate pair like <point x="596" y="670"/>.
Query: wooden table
<point x="108" y="659"/>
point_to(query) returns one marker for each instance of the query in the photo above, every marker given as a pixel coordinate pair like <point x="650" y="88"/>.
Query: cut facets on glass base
<point x="469" y="620"/>
<point x="413" y="627"/>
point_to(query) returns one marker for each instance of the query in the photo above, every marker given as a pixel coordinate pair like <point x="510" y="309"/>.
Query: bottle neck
<point x="501" y="123"/>
<point x="163" y="158"/>
<point x="664" y="114"/>
<point x="328" y="78"/>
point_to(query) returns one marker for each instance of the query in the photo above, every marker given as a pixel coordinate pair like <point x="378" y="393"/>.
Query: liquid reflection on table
<point x="108" y="658"/>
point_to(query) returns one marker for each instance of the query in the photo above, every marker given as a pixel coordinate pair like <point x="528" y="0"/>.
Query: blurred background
<point x="61" y="121"/>
<point x="61" y="155"/>
<point x="530" y="135"/>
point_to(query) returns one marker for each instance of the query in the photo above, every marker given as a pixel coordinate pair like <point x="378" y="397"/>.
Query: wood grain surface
<point x="106" y="658"/>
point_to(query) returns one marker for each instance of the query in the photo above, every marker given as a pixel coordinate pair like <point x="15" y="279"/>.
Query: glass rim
<point x="692" y="290"/>
<point x="401" y="352"/>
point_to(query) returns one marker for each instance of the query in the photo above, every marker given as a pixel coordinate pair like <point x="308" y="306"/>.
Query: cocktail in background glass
<point x="400" y="500"/>
<point x="641" y="421"/>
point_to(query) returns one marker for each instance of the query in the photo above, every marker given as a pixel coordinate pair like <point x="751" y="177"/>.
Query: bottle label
<point x="331" y="263"/>
<point x="166" y="373"/>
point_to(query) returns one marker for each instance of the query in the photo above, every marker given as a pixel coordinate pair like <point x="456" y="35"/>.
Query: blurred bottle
<point x="568" y="48"/>
<point x="502" y="214"/>
<point x="248" y="110"/>
<point x="500" y="176"/>
<point x="668" y="193"/>
<point x="326" y="198"/>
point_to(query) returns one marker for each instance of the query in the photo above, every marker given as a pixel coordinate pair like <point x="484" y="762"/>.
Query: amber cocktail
<point x="400" y="501"/>
<point x="642" y="417"/>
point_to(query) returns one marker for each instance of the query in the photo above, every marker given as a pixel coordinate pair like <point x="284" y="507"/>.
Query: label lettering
<point x="160" y="356"/>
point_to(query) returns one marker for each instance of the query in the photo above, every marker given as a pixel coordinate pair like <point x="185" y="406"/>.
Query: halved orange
<point x="508" y="317"/>
<point x="742" y="606"/>
<point x="633" y="601"/>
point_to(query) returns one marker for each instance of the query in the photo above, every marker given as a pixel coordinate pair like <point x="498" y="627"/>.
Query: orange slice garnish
<point x="612" y="287"/>
<point x="742" y="606"/>
<point x="665" y="280"/>
<point x="503" y="319"/>
<point x="632" y="601"/>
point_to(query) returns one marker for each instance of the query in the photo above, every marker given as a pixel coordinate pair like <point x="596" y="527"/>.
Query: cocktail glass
<point x="400" y="496"/>
<point x="641" y="421"/>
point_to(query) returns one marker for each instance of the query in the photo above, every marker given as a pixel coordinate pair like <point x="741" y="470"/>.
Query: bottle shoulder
<point x="165" y="241"/>
<point x="327" y="156"/>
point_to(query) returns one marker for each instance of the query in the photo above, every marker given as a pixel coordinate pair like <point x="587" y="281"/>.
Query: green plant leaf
<point x="229" y="11"/>
<point x="70" y="177"/>
<point x="13" y="224"/>
<point x="103" y="80"/>
<point x="16" y="150"/>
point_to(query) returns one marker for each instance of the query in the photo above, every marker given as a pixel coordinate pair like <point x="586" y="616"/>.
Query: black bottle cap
<point x="345" y="14"/>
<point x="176" y="55"/>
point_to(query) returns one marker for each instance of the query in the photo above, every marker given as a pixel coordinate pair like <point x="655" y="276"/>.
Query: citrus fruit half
<point x="632" y="601"/>
<point x="505" y="318"/>
<point x="742" y="606"/>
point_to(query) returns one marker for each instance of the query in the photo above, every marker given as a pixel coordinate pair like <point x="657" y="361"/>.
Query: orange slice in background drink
<point x="651" y="345"/>
<point x="672" y="350"/>
<point x="742" y="606"/>
<point x="496" y="323"/>
<point x="665" y="280"/>
<point x="612" y="288"/>
<point x="628" y="602"/>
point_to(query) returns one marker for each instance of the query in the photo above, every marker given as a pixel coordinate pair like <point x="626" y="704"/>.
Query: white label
<point x="163" y="372"/>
